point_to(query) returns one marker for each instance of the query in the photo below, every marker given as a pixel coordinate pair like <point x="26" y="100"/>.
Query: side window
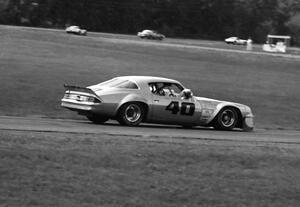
<point x="165" y="89"/>
<point x="157" y="89"/>
<point x="152" y="88"/>
<point x="176" y="88"/>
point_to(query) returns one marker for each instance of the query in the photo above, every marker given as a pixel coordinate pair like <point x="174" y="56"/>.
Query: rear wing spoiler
<point x="79" y="89"/>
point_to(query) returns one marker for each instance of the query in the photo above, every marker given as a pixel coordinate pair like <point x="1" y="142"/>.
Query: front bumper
<point x="248" y="123"/>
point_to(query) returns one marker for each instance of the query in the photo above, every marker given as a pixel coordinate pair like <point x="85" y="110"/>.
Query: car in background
<point x="134" y="99"/>
<point x="76" y="30"/>
<point x="150" y="34"/>
<point x="235" y="41"/>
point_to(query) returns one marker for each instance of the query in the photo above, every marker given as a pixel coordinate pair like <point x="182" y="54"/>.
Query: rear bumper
<point x="76" y="106"/>
<point x="104" y="109"/>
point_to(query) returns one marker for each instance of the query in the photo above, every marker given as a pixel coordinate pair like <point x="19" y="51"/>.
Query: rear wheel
<point x="226" y="119"/>
<point x="97" y="119"/>
<point x="131" y="114"/>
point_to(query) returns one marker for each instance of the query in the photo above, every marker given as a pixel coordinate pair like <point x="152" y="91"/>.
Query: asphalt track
<point x="146" y="131"/>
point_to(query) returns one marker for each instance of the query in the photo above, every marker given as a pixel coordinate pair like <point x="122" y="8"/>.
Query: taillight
<point x="81" y="98"/>
<point x="92" y="99"/>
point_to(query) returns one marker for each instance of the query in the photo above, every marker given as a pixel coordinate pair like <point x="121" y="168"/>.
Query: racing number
<point x="174" y="107"/>
<point x="185" y="109"/>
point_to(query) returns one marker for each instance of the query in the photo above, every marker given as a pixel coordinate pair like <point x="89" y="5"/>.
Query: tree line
<point x="204" y="19"/>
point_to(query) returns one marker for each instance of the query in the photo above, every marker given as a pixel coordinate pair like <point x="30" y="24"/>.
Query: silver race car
<point x="134" y="99"/>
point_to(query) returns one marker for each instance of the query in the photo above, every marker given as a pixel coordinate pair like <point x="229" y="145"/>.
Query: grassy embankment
<point x="35" y="64"/>
<point x="53" y="169"/>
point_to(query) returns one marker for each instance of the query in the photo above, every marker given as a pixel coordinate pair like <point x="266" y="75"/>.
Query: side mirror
<point x="187" y="94"/>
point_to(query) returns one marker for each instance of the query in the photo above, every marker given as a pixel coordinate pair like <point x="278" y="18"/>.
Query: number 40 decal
<point x="185" y="109"/>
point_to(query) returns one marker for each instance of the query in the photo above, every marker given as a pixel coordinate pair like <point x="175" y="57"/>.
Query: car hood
<point x="211" y="107"/>
<point x="209" y="103"/>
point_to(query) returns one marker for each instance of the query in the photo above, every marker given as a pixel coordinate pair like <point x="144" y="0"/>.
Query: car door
<point x="172" y="109"/>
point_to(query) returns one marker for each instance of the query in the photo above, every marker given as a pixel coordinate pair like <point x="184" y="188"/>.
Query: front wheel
<point x="96" y="119"/>
<point x="131" y="114"/>
<point x="226" y="119"/>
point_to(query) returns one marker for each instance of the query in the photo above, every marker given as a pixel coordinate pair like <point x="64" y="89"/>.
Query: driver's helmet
<point x="186" y="94"/>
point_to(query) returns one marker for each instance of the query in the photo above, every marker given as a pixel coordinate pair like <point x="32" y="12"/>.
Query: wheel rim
<point x="228" y="118"/>
<point x="133" y="113"/>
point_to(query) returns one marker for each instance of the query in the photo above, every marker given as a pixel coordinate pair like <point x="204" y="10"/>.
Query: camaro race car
<point x="76" y="30"/>
<point x="134" y="99"/>
<point x="150" y="34"/>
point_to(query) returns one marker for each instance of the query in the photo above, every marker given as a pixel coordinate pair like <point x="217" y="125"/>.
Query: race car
<point x="235" y="41"/>
<point x="150" y="34"/>
<point x="76" y="30"/>
<point x="134" y="99"/>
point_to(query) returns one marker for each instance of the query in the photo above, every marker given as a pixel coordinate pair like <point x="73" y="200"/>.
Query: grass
<point x="54" y="169"/>
<point x="57" y="169"/>
<point x="35" y="64"/>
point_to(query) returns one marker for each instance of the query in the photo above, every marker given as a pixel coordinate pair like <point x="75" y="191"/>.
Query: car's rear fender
<point x="131" y="98"/>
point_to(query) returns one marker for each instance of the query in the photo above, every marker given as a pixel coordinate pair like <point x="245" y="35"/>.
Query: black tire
<point x="97" y="119"/>
<point x="226" y="119"/>
<point x="131" y="114"/>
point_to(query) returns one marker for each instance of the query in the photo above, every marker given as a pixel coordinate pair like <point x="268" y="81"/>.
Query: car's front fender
<point x="247" y="123"/>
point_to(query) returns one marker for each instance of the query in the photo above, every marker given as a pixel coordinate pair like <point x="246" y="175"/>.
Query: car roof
<point x="147" y="79"/>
